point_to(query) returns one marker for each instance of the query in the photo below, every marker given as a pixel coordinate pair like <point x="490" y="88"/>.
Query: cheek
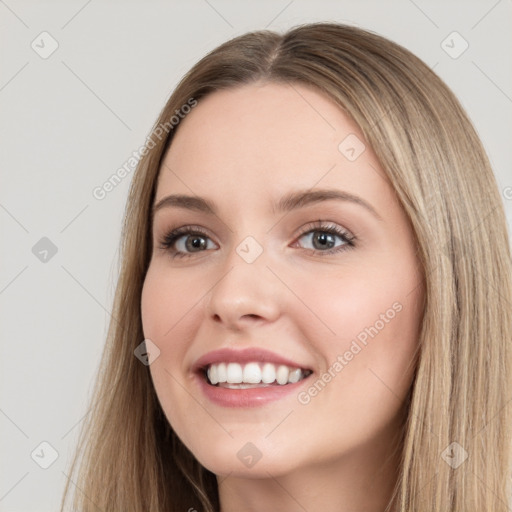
<point x="167" y="311"/>
<point x="165" y="302"/>
<point x="368" y="362"/>
<point x="368" y="321"/>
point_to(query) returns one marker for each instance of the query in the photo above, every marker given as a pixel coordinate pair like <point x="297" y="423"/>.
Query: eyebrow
<point x="291" y="201"/>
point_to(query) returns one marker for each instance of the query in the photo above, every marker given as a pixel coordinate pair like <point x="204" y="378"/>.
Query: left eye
<point x="323" y="239"/>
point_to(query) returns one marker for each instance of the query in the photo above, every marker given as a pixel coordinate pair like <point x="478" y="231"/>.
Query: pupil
<point x="323" y="239"/>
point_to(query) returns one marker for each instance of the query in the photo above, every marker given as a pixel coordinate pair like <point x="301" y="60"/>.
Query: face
<point x="293" y="260"/>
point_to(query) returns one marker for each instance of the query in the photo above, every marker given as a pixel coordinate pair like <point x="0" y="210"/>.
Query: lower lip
<point x="252" y="397"/>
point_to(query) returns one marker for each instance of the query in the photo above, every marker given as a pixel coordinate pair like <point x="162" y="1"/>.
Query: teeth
<point x="295" y="375"/>
<point x="269" y="373"/>
<point x="252" y="374"/>
<point x="235" y="375"/>
<point x="213" y="374"/>
<point x="282" y="375"/>
<point x="222" y="372"/>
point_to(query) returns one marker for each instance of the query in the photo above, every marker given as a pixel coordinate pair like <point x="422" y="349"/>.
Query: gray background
<point x="70" y="120"/>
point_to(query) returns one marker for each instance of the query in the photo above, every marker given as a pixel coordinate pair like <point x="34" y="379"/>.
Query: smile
<point x="253" y="374"/>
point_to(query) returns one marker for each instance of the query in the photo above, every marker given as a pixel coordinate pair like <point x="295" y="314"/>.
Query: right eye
<point x="184" y="239"/>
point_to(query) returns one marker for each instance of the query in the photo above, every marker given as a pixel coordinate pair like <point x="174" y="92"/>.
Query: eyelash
<point x="168" y="240"/>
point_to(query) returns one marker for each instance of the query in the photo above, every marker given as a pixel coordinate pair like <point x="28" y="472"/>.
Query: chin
<point x="247" y="459"/>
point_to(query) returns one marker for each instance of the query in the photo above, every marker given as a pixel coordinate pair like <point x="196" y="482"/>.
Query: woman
<point x="316" y="256"/>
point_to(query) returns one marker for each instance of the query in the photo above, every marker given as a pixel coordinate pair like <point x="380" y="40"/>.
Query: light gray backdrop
<point x="81" y="83"/>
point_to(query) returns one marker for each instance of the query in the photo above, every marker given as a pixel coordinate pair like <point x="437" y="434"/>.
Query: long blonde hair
<point x="129" y="458"/>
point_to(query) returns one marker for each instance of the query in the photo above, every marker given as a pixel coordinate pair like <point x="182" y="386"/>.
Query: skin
<point x="242" y="149"/>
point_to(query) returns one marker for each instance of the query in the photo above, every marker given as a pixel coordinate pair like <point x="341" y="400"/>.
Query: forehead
<point x="268" y="138"/>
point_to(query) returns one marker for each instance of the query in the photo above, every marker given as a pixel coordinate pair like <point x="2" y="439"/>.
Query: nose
<point x="246" y="294"/>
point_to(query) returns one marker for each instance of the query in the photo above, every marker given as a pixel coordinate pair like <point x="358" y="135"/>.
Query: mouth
<point x="255" y="374"/>
<point x="249" y="377"/>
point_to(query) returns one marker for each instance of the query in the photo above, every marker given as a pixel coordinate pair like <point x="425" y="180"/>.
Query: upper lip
<point x="246" y="355"/>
